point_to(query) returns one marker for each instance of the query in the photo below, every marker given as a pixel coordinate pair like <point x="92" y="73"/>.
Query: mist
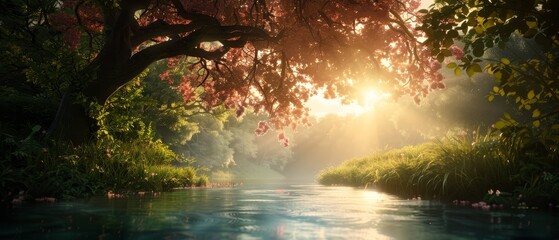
<point x="230" y="146"/>
<point x="341" y="135"/>
<point x="394" y="124"/>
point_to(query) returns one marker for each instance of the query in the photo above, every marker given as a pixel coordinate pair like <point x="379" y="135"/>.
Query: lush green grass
<point x="65" y="171"/>
<point x="461" y="165"/>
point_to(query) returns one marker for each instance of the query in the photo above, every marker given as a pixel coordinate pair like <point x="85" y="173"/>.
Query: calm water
<point x="281" y="211"/>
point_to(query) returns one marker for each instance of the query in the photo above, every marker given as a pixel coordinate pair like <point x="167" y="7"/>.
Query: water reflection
<point x="270" y="212"/>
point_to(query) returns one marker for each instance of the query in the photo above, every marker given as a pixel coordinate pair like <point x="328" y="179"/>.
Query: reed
<point x="461" y="165"/>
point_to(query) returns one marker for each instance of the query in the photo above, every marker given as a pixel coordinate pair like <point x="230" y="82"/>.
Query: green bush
<point x="66" y="171"/>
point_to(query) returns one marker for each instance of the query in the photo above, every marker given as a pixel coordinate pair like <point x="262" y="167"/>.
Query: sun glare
<point x="372" y="196"/>
<point x="373" y="96"/>
<point x="369" y="99"/>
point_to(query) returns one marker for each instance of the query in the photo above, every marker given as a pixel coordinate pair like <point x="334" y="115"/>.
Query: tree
<point x="211" y="146"/>
<point x="523" y="37"/>
<point x="32" y="79"/>
<point x="270" y="55"/>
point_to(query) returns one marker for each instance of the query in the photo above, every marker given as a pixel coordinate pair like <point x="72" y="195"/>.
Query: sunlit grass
<point x="462" y="165"/>
<point x="65" y="171"/>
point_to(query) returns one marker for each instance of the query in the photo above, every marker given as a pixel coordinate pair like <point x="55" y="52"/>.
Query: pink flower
<point x="456" y="51"/>
<point x="435" y="66"/>
<point x="490" y="192"/>
<point x="497" y="192"/>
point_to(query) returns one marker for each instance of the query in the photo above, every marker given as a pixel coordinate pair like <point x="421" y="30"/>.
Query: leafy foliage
<point x="523" y="36"/>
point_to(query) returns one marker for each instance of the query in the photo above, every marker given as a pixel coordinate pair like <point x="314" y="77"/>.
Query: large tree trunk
<point x="72" y="122"/>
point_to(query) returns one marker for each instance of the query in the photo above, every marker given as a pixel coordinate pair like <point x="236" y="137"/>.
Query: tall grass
<point x="66" y="171"/>
<point x="462" y="165"/>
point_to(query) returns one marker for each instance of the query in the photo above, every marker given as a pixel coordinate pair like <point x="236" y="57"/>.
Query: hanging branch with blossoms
<point x="269" y="56"/>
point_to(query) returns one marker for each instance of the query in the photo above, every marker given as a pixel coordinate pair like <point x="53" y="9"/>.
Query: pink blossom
<point x="490" y="192"/>
<point x="435" y="65"/>
<point x="263" y="128"/>
<point x="456" y="52"/>
<point x="497" y="192"/>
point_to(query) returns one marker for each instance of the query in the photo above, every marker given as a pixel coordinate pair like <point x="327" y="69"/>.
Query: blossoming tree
<point x="264" y="55"/>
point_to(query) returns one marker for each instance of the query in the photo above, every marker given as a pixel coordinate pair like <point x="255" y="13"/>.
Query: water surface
<point x="277" y="211"/>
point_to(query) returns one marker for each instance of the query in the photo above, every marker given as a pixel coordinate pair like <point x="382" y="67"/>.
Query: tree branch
<point x="160" y="28"/>
<point x="195" y="17"/>
<point x="230" y="36"/>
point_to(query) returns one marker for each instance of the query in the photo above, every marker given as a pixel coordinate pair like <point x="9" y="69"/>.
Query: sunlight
<point x="320" y="107"/>
<point x="369" y="98"/>
<point x="374" y="95"/>
<point x="372" y="196"/>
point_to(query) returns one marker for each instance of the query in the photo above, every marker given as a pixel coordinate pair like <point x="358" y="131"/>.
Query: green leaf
<point x="532" y="24"/>
<point x="440" y="57"/>
<point x="495" y="89"/>
<point x="458" y="72"/>
<point x="478" y="50"/>
<point x="500" y="124"/>
<point x="531" y="94"/>
<point x="478" y="29"/>
<point x="452" y="34"/>
<point x="536" y="123"/>
<point x="451" y="65"/>
<point x="36" y="128"/>
<point x="542" y="40"/>
<point x="491" y="98"/>
<point x="505" y="61"/>
<point x="536" y="113"/>
<point x="473" y="69"/>
<point x="498" y="76"/>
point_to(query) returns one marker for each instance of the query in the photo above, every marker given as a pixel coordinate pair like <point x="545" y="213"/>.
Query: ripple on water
<point x="270" y="212"/>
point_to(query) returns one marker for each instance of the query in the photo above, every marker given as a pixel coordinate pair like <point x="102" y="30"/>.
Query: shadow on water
<point x="270" y="211"/>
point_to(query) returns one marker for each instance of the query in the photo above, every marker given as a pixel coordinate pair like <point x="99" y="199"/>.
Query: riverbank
<point x="463" y="166"/>
<point x="63" y="171"/>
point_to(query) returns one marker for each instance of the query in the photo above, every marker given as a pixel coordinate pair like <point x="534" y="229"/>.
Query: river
<point x="270" y="211"/>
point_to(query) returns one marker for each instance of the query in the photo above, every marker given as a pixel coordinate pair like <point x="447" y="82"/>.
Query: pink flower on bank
<point x="490" y="192"/>
<point x="497" y="192"/>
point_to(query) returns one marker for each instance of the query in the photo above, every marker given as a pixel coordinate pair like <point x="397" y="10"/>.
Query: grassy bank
<point x="462" y="165"/>
<point x="64" y="171"/>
